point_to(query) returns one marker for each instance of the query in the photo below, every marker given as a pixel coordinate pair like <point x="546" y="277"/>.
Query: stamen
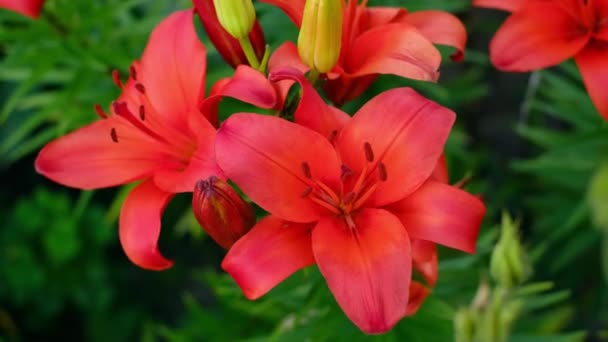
<point x="369" y="153"/>
<point x="306" y="192"/>
<point x="142" y="113"/>
<point x="332" y="136"/>
<point x="306" y="170"/>
<point x="116" y="78"/>
<point x="348" y="198"/>
<point x="140" y="87"/>
<point x="326" y="205"/>
<point x="100" y="111"/>
<point x="382" y="172"/>
<point x="133" y="72"/>
<point x="113" y="135"/>
<point x="350" y="222"/>
<point x="345" y="172"/>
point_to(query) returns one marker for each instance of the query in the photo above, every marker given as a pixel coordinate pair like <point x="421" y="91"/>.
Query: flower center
<point x="353" y="191"/>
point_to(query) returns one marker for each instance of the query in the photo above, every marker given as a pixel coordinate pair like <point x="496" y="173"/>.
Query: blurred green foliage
<point x="529" y="143"/>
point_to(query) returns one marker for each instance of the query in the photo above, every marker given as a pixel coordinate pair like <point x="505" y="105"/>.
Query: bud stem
<point x="249" y="53"/>
<point x="265" y="59"/>
<point x="313" y="76"/>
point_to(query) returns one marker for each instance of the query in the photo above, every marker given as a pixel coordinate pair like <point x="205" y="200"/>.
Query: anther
<point x="382" y="172"/>
<point x="306" y="192"/>
<point x="345" y="172"/>
<point x="306" y="170"/>
<point x="142" y="113"/>
<point x="113" y="135"/>
<point x="133" y="72"/>
<point x="116" y="78"/>
<point x="332" y="135"/>
<point x="369" y="153"/>
<point x="100" y="111"/>
<point x="140" y="87"/>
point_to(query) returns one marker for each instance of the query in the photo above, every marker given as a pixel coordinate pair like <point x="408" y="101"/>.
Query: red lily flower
<point x="382" y="40"/>
<point x="347" y="194"/>
<point x="544" y="33"/>
<point x="30" y="8"/>
<point x="155" y="133"/>
<point x="227" y="46"/>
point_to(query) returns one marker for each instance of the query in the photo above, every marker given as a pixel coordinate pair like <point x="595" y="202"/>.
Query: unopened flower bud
<point x="226" y="45"/>
<point x="320" y="35"/>
<point x="597" y="197"/>
<point x="236" y="16"/>
<point x="222" y="213"/>
<point x="508" y="264"/>
<point x="465" y="323"/>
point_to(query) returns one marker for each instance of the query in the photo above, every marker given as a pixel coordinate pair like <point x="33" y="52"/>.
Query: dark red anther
<point x="345" y="172"/>
<point x="133" y="72"/>
<point x="113" y="135"/>
<point x="369" y="153"/>
<point x="100" y="111"/>
<point x="306" y="170"/>
<point x="332" y="135"/>
<point x="116" y="78"/>
<point x="142" y="113"/>
<point x="382" y="172"/>
<point x="306" y="192"/>
<point x="140" y="88"/>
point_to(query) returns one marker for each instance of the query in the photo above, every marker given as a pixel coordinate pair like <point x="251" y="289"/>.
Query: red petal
<point x="89" y="158"/>
<point x="440" y="28"/>
<point x="285" y="55"/>
<point x="539" y="35"/>
<point x="593" y="64"/>
<point x="139" y="226"/>
<point x="440" y="173"/>
<point x="442" y="214"/>
<point x="312" y="111"/>
<point x="293" y="8"/>
<point x="377" y="16"/>
<point x="272" y="251"/>
<point x="30" y="8"/>
<point x="406" y="132"/>
<point x="173" y="69"/>
<point x="397" y="49"/>
<point x="424" y="256"/>
<point x="367" y="268"/>
<point x="506" y="5"/>
<point x="418" y="294"/>
<point x="264" y="155"/>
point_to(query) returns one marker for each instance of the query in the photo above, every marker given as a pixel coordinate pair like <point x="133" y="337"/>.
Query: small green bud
<point x="509" y="265"/>
<point x="320" y="35"/>
<point x="465" y="322"/>
<point x="236" y="16"/>
<point x="597" y="197"/>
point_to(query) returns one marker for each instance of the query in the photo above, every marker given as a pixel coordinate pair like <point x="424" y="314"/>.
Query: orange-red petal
<point x="593" y="65"/>
<point x="293" y="8"/>
<point x="367" y="268"/>
<point x="505" y="5"/>
<point x="30" y="8"/>
<point x="442" y="214"/>
<point x="407" y="133"/>
<point x="139" y="226"/>
<point x="418" y="294"/>
<point x="265" y="157"/>
<point x="539" y="35"/>
<point x="440" y="28"/>
<point x="424" y="257"/>
<point x="268" y="254"/>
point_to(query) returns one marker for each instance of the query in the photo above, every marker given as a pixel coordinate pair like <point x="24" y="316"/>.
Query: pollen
<point x="306" y="170"/>
<point x="113" y="135"/>
<point x="369" y="153"/>
<point x="142" y="113"/>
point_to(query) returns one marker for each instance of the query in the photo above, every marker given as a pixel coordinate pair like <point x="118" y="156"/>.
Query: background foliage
<point x="533" y="144"/>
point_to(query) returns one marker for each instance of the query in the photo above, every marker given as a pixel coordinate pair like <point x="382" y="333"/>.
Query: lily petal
<point x="418" y="294"/>
<point x="398" y="49"/>
<point x="529" y="41"/>
<point x="293" y="8"/>
<point x="442" y="214"/>
<point x="312" y="111"/>
<point x="367" y="268"/>
<point x="424" y="256"/>
<point x="30" y="8"/>
<point x="265" y="157"/>
<point x="271" y="251"/>
<point x="285" y="55"/>
<point x="105" y="153"/>
<point x="440" y="28"/>
<point x="173" y="69"/>
<point x="139" y="226"/>
<point x="408" y="137"/>
<point x="594" y="70"/>
<point x="505" y="5"/>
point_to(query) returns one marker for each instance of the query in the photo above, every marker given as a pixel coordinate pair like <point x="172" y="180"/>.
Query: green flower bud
<point x="465" y="322"/>
<point x="236" y="16"/>
<point x="597" y="197"/>
<point x="509" y="265"/>
<point x="320" y="35"/>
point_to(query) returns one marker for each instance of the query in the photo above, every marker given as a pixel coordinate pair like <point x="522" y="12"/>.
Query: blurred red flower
<point x="30" y="8"/>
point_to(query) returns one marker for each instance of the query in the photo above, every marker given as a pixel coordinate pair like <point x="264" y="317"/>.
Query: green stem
<point x="313" y="76"/>
<point x="265" y="59"/>
<point x="249" y="53"/>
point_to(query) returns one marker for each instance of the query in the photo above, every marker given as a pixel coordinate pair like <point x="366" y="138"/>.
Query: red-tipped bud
<point x="222" y="213"/>
<point x="227" y="46"/>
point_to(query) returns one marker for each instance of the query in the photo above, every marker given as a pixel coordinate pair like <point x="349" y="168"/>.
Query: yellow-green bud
<point x="597" y="197"/>
<point x="509" y="265"/>
<point x="236" y="16"/>
<point x="465" y="323"/>
<point x="320" y="35"/>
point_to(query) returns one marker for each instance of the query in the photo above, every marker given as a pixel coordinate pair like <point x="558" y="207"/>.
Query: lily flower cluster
<point x="364" y="197"/>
